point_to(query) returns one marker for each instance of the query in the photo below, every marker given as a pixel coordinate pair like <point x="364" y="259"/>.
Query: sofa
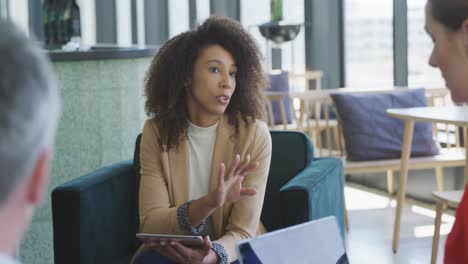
<point x="95" y="217"/>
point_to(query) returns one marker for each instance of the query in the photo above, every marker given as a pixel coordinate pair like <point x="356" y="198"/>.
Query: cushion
<point x="279" y="82"/>
<point x="371" y="134"/>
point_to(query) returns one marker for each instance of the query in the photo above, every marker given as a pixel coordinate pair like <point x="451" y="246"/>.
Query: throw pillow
<point x="371" y="134"/>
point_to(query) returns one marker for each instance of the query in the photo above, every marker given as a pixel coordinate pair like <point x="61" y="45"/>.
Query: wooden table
<point x="452" y="198"/>
<point x="455" y="115"/>
<point x="324" y="94"/>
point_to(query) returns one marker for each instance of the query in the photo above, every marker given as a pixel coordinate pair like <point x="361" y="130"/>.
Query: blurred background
<point x="101" y="49"/>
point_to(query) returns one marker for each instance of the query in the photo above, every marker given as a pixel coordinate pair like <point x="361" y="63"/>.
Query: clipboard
<point x="316" y="241"/>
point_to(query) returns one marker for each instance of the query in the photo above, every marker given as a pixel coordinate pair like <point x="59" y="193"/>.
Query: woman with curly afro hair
<point x="205" y="151"/>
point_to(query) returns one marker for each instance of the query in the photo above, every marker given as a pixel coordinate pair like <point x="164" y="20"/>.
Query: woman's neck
<point x="204" y="121"/>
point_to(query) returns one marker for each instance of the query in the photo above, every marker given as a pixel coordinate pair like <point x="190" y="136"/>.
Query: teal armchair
<point x="300" y="187"/>
<point x="95" y="217"/>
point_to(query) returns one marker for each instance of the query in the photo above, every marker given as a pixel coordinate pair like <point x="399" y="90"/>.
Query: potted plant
<point x="278" y="30"/>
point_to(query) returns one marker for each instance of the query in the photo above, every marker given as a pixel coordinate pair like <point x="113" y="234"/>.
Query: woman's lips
<point x="223" y="99"/>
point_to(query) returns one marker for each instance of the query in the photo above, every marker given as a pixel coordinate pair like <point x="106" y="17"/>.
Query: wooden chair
<point x="307" y="117"/>
<point x="310" y="113"/>
<point x="317" y="115"/>
<point x="279" y="98"/>
<point x="443" y="199"/>
<point x="312" y="116"/>
<point x="307" y="77"/>
<point x="301" y="120"/>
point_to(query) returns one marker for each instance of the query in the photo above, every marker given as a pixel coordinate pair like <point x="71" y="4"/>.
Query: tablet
<point x="190" y="241"/>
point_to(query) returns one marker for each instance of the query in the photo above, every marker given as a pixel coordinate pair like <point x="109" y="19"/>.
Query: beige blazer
<point x="165" y="183"/>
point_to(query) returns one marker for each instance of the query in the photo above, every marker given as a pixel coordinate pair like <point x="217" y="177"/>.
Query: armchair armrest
<point x="316" y="192"/>
<point x="95" y="216"/>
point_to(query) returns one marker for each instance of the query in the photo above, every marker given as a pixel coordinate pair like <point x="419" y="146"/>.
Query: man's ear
<point x="39" y="178"/>
<point x="464" y="30"/>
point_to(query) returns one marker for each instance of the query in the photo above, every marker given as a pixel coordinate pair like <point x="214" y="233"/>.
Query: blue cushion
<point x="280" y="83"/>
<point x="371" y="134"/>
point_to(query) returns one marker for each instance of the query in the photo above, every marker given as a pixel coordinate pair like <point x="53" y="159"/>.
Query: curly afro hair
<point x="166" y="78"/>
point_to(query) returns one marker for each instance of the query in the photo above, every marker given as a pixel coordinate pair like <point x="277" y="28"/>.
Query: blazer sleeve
<point x="157" y="215"/>
<point x="244" y="218"/>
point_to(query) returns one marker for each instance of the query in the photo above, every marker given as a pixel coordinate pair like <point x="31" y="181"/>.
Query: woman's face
<point x="211" y="87"/>
<point x="450" y="55"/>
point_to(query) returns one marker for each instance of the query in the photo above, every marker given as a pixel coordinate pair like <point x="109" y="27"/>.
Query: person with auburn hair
<point x="205" y="151"/>
<point x="447" y="24"/>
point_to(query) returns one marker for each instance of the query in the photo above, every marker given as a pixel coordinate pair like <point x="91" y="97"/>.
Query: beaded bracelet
<point x="183" y="220"/>
<point x="221" y="252"/>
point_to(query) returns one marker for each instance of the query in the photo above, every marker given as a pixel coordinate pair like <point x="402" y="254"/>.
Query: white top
<point x="201" y="142"/>
<point x="201" y="146"/>
<point x="5" y="259"/>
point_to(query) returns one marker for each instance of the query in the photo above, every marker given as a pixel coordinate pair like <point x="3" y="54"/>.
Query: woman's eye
<point x="214" y="69"/>
<point x="233" y="74"/>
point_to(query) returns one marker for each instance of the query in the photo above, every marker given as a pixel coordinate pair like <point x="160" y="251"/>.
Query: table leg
<point x="465" y="141"/>
<point x="302" y="111"/>
<point x="405" y="155"/>
<point x="346" y="220"/>
<point x="435" y="238"/>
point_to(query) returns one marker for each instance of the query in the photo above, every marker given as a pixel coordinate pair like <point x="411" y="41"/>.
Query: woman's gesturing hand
<point x="230" y="188"/>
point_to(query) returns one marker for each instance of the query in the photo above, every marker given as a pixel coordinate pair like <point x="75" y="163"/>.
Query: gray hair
<point x="29" y="106"/>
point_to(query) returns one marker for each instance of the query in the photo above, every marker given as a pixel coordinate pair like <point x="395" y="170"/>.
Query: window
<point x="369" y="43"/>
<point x="203" y="10"/>
<point x="3" y="9"/>
<point x="293" y="52"/>
<point x="419" y="49"/>
<point x="18" y="12"/>
<point x="252" y="14"/>
<point x="123" y="22"/>
<point x="178" y="17"/>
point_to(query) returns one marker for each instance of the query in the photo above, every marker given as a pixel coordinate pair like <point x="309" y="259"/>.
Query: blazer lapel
<point x="223" y="152"/>
<point x="180" y="172"/>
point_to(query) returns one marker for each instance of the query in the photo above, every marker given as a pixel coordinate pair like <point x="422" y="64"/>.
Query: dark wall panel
<point x="156" y="22"/>
<point x="106" y="25"/>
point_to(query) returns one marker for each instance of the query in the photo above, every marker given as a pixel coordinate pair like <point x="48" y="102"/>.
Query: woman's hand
<point x="179" y="253"/>
<point x="230" y="188"/>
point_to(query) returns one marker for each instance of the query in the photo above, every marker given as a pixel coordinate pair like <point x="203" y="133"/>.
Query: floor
<point x="371" y="218"/>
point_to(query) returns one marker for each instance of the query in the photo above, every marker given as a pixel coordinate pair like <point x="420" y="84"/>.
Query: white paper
<point x="312" y="242"/>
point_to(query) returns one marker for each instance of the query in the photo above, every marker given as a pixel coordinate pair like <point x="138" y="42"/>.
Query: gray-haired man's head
<point x="29" y="107"/>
